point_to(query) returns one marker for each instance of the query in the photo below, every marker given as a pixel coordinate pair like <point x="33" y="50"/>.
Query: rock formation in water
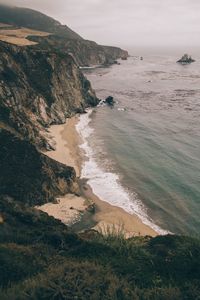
<point x="186" y="59"/>
<point x="110" y="101"/>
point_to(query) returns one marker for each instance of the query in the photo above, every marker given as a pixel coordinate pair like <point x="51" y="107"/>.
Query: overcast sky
<point x="127" y="22"/>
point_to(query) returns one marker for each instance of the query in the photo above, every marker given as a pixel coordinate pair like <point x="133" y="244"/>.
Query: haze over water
<point x="151" y="138"/>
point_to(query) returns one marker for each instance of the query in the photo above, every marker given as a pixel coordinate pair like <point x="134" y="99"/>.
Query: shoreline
<point x="106" y="218"/>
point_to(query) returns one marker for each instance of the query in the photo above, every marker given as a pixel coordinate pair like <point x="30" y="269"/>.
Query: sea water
<point x="143" y="154"/>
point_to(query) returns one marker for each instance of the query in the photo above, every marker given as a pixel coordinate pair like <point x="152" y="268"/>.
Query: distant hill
<point x="29" y="18"/>
<point x="62" y="37"/>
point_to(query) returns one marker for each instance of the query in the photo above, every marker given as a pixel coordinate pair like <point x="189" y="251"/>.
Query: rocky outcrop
<point x="39" y="88"/>
<point x="89" y="53"/>
<point x="30" y="176"/>
<point x="114" y="53"/>
<point x="85" y="53"/>
<point x="186" y="59"/>
<point x="110" y="101"/>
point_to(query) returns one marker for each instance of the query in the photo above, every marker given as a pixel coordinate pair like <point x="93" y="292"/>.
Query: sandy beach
<point x="106" y="216"/>
<point x="69" y="208"/>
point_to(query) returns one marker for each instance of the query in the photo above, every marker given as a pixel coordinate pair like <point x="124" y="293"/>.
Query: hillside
<point x="41" y="259"/>
<point x="24" y="17"/>
<point x="62" y="37"/>
<point x="19" y="36"/>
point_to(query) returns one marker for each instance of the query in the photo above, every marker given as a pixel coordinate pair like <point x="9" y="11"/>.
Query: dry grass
<point x="20" y="36"/>
<point x="112" y="230"/>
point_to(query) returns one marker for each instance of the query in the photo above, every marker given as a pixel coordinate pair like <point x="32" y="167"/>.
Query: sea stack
<point x="186" y="59"/>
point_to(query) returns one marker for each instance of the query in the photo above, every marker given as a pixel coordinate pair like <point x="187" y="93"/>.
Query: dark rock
<point x="110" y="100"/>
<point x="186" y="59"/>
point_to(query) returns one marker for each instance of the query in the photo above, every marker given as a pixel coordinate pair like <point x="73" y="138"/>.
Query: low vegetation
<point x="19" y="36"/>
<point x="41" y="259"/>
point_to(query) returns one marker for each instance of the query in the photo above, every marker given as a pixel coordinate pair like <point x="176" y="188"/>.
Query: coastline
<point x="106" y="217"/>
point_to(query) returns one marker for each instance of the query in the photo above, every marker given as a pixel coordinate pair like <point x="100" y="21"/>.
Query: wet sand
<point x="106" y="216"/>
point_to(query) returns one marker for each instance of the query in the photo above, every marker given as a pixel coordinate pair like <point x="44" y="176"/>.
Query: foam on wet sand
<point x="68" y="138"/>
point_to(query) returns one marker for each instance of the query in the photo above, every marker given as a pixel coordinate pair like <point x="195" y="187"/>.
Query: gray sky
<point x="127" y="22"/>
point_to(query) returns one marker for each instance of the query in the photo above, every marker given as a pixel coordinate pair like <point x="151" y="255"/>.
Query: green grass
<point x="41" y="259"/>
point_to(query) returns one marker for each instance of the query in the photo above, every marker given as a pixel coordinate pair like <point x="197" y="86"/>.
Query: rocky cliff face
<point x="39" y="88"/>
<point x="84" y="52"/>
<point x="115" y="52"/>
<point x="89" y="53"/>
<point x="30" y="176"/>
<point x="41" y="85"/>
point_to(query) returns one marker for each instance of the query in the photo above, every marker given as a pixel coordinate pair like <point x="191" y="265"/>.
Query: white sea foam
<point x="106" y="185"/>
<point x="89" y="67"/>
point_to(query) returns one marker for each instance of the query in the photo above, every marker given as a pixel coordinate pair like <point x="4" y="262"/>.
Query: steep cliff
<point x="90" y="53"/>
<point x="115" y="52"/>
<point x="39" y="88"/>
<point x="30" y="176"/>
<point x="85" y="53"/>
<point x="41" y="85"/>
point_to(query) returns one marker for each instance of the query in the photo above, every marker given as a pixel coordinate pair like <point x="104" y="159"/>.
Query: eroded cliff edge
<point x="37" y="88"/>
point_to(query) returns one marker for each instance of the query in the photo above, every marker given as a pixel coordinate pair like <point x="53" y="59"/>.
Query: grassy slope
<point x="24" y="17"/>
<point x="41" y="259"/>
<point x="19" y="36"/>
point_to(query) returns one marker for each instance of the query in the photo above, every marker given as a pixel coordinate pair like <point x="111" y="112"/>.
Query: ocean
<point x="144" y="153"/>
